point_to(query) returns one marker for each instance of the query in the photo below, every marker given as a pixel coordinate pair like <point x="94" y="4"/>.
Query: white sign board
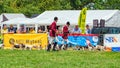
<point x="112" y="40"/>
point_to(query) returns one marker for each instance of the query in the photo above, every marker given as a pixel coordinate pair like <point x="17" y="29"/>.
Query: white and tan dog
<point x="38" y="47"/>
<point x="100" y="48"/>
<point x="18" y="46"/>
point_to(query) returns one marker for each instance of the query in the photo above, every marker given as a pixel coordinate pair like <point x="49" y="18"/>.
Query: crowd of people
<point x="22" y="29"/>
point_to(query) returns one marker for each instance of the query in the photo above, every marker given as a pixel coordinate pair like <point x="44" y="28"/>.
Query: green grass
<point x="60" y="59"/>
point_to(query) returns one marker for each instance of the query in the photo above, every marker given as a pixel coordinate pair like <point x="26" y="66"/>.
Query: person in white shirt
<point x="76" y="29"/>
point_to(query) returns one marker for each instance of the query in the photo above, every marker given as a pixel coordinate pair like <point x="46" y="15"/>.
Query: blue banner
<point x="78" y="40"/>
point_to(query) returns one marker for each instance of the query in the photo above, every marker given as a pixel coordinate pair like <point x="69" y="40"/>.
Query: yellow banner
<point x="26" y="39"/>
<point x="82" y="20"/>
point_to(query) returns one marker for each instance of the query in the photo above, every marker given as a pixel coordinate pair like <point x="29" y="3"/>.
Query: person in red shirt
<point x="52" y="34"/>
<point x="65" y="33"/>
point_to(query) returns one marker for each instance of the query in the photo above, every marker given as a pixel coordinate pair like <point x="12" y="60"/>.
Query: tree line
<point x="29" y="7"/>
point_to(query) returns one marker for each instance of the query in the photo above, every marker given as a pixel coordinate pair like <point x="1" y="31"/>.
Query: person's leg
<point x="54" y="46"/>
<point x="66" y="45"/>
<point x="50" y="43"/>
<point x="60" y="47"/>
<point x="48" y="47"/>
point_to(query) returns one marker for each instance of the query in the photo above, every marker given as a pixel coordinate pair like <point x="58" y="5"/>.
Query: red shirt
<point x="65" y="32"/>
<point x="53" y="29"/>
<point x="65" y="29"/>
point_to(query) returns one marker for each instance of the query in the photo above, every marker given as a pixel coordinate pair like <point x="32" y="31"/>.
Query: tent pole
<point x="36" y="28"/>
<point x="1" y="28"/>
<point x="18" y="26"/>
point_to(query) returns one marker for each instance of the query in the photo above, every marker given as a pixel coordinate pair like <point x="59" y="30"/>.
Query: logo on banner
<point x="95" y="38"/>
<point x="111" y="40"/>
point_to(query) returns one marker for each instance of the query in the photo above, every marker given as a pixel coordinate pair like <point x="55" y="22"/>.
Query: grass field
<point x="60" y="59"/>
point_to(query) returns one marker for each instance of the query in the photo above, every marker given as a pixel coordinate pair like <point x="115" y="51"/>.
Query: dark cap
<point x="55" y="18"/>
<point x="68" y="23"/>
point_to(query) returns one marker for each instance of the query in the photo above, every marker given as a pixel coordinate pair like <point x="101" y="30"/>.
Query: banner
<point x="82" y="20"/>
<point x="26" y="39"/>
<point x="79" y="40"/>
<point x="112" y="41"/>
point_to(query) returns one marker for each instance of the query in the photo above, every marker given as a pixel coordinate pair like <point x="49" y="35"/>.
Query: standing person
<point x="11" y="29"/>
<point x="40" y="30"/>
<point x="52" y="34"/>
<point x="5" y="29"/>
<point x="88" y="31"/>
<point x="32" y="31"/>
<point x="76" y="29"/>
<point x="22" y="29"/>
<point x="65" y="33"/>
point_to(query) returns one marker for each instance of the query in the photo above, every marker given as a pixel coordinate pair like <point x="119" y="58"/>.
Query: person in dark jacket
<point x="88" y="31"/>
<point x="52" y="34"/>
<point x="11" y="29"/>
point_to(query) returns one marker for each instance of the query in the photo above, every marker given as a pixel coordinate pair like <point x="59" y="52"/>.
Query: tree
<point x="29" y="7"/>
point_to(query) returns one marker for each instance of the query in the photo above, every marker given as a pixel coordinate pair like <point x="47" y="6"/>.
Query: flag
<point x="82" y="20"/>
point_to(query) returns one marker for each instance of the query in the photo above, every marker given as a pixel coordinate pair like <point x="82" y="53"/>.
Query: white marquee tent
<point x="19" y="21"/>
<point x="111" y="17"/>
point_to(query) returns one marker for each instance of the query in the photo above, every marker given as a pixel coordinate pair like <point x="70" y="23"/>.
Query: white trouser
<point x="51" y="40"/>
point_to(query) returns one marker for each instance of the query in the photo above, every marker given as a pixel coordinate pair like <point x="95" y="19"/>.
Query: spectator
<point x="40" y="30"/>
<point x="52" y="33"/>
<point x="5" y="29"/>
<point x="32" y="31"/>
<point x="76" y="29"/>
<point x="88" y="31"/>
<point x="11" y="29"/>
<point x="65" y="33"/>
<point x="22" y="29"/>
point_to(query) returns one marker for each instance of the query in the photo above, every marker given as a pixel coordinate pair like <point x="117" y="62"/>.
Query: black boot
<point x="54" y="47"/>
<point x="60" y="47"/>
<point x="48" y="47"/>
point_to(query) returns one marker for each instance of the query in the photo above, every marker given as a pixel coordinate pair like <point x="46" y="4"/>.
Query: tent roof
<point x="16" y="21"/>
<point x="9" y="16"/>
<point x="73" y="15"/>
